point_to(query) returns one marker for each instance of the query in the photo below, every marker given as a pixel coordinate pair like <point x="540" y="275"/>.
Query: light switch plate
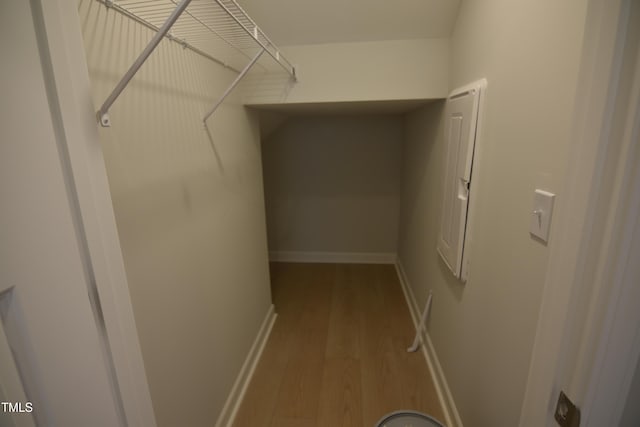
<point x="541" y="214"/>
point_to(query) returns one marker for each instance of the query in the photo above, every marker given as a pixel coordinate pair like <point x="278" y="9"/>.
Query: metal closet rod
<point x="103" y="112"/>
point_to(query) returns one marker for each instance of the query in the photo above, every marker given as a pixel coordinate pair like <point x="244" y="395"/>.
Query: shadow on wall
<point x="453" y="284"/>
<point x="422" y="193"/>
<point x="271" y="87"/>
<point x="424" y="153"/>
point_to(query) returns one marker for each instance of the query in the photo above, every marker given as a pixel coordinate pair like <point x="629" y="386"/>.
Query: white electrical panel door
<point x="461" y="115"/>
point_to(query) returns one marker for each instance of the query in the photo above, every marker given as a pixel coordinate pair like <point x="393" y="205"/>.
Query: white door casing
<point x="610" y="339"/>
<point x="588" y="335"/>
<point x="65" y="307"/>
<point x="70" y="77"/>
<point x="46" y="310"/>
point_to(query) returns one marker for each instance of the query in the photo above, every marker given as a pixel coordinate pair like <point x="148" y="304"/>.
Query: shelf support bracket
<point x="226" y="93"/>
<point x="103" y="112"/>
<point x="254" y="33"/>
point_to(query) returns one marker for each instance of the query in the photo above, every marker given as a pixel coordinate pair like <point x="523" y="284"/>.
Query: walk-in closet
<point x="287" y="213"/>
<point x="235" y="157"/>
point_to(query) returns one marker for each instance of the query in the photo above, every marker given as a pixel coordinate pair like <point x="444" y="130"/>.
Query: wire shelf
<point x="217" y="29"/>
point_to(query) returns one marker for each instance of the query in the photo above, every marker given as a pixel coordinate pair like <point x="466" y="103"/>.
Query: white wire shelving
<point x="220" y="30"/>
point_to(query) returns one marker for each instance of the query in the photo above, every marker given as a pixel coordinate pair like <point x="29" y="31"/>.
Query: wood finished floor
<point x="337" y="352"/>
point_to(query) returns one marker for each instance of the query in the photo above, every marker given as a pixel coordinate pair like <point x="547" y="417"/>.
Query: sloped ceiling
<point x="295" y="22"/>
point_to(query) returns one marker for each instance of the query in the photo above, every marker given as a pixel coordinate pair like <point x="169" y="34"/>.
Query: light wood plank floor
<point x="337" y="352"/>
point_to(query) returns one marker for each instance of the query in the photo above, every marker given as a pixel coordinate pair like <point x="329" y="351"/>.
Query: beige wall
<point x="631" y="414"/>
<point x="190" y="215"/>
<point x="483" y="331"/>
<point x="364" y="71"/>
<point x="332" y="184"/>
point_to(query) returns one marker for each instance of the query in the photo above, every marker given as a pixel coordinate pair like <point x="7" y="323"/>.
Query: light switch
<point x="541" y="214"/>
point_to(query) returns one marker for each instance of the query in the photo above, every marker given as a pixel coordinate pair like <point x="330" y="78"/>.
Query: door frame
<point x="69" y="76"/>
<point x="580" y="339"/>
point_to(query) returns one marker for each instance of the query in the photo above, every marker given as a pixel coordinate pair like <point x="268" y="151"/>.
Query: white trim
<point x="618" y="349"/>
<point x="452" y="417"/>
<point x="616" y="334"/>
<point x="231" y="406"/>
<point x="334" y="257"/>
<point x="567" y="288"/>
<point x="98" y="232"/>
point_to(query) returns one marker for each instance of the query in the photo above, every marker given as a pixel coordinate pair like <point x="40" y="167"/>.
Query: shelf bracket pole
<point x="254" y="34"/>
<point x="233" y="85"/>
<point x="103" y="112"/>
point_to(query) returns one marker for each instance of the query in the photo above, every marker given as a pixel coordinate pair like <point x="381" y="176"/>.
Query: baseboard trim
<point x="452" y="417"/>
<point x="231" y="406"/>
<point x="334" y="257"/>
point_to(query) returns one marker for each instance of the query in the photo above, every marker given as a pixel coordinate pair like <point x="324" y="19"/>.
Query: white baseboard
<point x="334" y="257"/>
<point x="231" y="406"/>
<point x="452" y="418"/>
